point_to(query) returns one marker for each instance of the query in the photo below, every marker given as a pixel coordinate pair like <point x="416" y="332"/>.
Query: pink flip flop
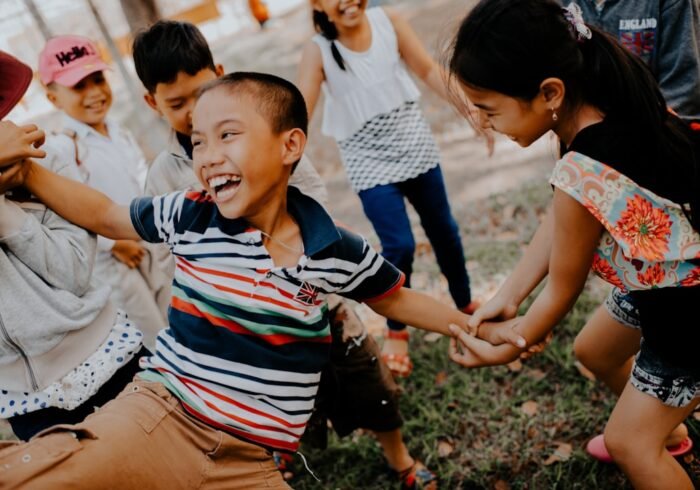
<point x="596" y="448"/>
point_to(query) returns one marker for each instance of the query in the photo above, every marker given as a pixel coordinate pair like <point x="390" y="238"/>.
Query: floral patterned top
<point x="648" y="241"/>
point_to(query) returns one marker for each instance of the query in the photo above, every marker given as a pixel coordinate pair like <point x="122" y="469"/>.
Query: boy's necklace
<point x="298" y="250"/>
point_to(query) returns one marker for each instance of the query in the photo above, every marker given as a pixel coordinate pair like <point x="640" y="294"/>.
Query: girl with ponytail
<point x="372" y="109"/>
<point x="626" y="203"/>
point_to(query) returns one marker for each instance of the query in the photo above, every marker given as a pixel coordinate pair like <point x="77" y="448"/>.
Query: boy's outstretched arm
<point x="79" y="204"/>
<point x="419" y="310"/>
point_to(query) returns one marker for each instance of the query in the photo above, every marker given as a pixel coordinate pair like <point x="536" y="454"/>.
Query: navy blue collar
<point x="318" y="230"/>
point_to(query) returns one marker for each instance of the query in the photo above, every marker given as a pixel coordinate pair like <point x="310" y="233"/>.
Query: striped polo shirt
<point x="247" y="340"/>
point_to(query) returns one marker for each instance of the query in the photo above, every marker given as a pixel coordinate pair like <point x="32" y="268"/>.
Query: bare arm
<point x="576" y="234"/>
<point x="527" y="274"/>
<point x="420" y="310"/>
<point x="310" y="75"/>
<point x="79" y="204"/>
<point x="417" y="58"/>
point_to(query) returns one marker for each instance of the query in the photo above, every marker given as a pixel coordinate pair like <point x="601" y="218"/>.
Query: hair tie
<point x="574" y="15"/>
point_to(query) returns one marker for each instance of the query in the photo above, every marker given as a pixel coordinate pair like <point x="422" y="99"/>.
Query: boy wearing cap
<point x="64" y="348"/>
<point x="109" y="160"/>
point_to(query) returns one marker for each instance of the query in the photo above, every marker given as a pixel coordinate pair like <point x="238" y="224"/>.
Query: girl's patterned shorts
<point x="672" y="385"/>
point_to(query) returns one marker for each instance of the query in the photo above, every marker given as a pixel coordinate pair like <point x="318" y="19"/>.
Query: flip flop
<point x="596" y="448"/>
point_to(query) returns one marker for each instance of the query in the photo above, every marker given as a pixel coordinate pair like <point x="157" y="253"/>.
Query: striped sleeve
<point x="372" y="277"/>
<point x="156" y="219"/>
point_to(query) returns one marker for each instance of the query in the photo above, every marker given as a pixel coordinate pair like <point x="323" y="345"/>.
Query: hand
<point x="20" y="142"/>
<point x="497" y="308"/>
<point x="538" y="347"/>
<point x="497" y="333"/>
<point x="472" y="352"/>
<point x="129" y="252"/>
<point x="13" y="176"/>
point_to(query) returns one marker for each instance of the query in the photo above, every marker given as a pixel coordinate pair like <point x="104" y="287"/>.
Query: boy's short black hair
<point x="278" y="100"/>
<point x="167" y="48"/>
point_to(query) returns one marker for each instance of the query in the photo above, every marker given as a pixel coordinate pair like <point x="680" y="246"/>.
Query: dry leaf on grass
<point x="689" y="458"/>
<point x="515" y="366"/>
<point x="501" y="485"/>
<point x="561" y="453"/>
<point x="585" y="372"/>
<point x="432" y="337"/>
<point x="537" y="374"/>
<point x="529" y="408"/>
<point x="445" y="448"/>
<point x="440" y="378"/>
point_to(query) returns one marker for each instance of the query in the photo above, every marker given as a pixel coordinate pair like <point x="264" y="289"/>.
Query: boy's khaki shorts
<point x="141" y="440"/>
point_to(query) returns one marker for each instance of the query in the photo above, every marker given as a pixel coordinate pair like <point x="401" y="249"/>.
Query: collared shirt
<point x="247" y="340"/>
<point x="111" y="164"/>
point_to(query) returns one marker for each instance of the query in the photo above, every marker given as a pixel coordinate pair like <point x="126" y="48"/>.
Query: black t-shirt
<point x="670" y="317"/>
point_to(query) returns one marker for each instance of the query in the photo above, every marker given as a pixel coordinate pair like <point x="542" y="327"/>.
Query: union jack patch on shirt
<point x="307" y="294"/>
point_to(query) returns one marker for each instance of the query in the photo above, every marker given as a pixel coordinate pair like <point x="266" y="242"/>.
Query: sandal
<point x="418" y="477"/>
<point x="400" y="365"/>
<point x="282" y="461"/>
<point x="596" y="448"/>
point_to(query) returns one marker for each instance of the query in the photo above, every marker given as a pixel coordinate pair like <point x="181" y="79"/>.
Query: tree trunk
<point x="140" y="14"/>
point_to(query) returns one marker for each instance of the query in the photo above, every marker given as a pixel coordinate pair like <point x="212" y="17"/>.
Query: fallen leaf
<point x="432" y="337"/>
<point x="529" y="408"/>
<point x="585" y="372"/>
<point x="445" y="448"/>
<point x="452" y="405"/>
<point x="515" y="366"/>
<point x="561" y="453"/>
<point x="532" y="433"/>
<point x="696" y="415"/>
<point x="537" y="374"/>
<point x="689" y="458"/>
<point x="501" y="485"/>
<point x="440" y="378"/>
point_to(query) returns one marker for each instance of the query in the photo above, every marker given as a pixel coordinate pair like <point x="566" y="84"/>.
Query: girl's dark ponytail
<point x="328" y="30"/>
<point x="511" y="46"/>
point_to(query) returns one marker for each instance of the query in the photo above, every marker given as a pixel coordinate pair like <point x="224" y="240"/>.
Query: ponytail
<point x="328" y="30"/>
<point x="499" y="48"/>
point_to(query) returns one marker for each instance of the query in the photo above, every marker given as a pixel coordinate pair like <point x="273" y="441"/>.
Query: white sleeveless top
<point x="374" y="81"/>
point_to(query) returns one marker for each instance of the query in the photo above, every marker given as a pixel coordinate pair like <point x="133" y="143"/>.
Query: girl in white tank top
<point x="359" y="59"/>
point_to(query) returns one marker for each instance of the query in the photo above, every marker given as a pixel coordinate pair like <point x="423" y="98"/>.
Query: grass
<point x="476" y="416"/>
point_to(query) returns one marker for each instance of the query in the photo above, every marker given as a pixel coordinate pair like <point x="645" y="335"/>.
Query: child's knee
<point x="586" y="353"/>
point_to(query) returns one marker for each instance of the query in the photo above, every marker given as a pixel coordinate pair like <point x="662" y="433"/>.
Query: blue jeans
<point x="385" y="207"/>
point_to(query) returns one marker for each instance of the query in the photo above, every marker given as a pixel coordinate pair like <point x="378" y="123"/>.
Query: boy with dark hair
<point x="236" y="372"/>
<point x="173" y="60"/>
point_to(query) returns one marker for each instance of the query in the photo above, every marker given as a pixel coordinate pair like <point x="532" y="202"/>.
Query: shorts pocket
<point x="145" y="403"/>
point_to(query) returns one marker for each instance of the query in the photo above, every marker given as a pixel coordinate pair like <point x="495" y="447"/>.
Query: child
<point x="109" y="160"/>
<point x="64" y="348"/>
<point x="626" y="200"/>
<point x="372" y="110"/>
<point x="236" y="372"/>
<point x="173" y="60"/>
<point x="666" y="35"/>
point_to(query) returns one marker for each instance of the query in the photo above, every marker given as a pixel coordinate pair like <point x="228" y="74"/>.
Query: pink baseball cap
<point x="15" y="77"/>
<point x="68" y="59"/>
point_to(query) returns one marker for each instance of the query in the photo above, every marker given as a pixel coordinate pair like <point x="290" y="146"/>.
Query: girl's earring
<point x="555" y="118"/>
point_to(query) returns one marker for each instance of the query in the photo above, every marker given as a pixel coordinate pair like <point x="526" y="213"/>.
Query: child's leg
<point x="636" y="434"/>
<point x="384" y="206"/>
<point x="606" y="347"/>
<point x="428" y="196"/>
<point x="607" y="344"/>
